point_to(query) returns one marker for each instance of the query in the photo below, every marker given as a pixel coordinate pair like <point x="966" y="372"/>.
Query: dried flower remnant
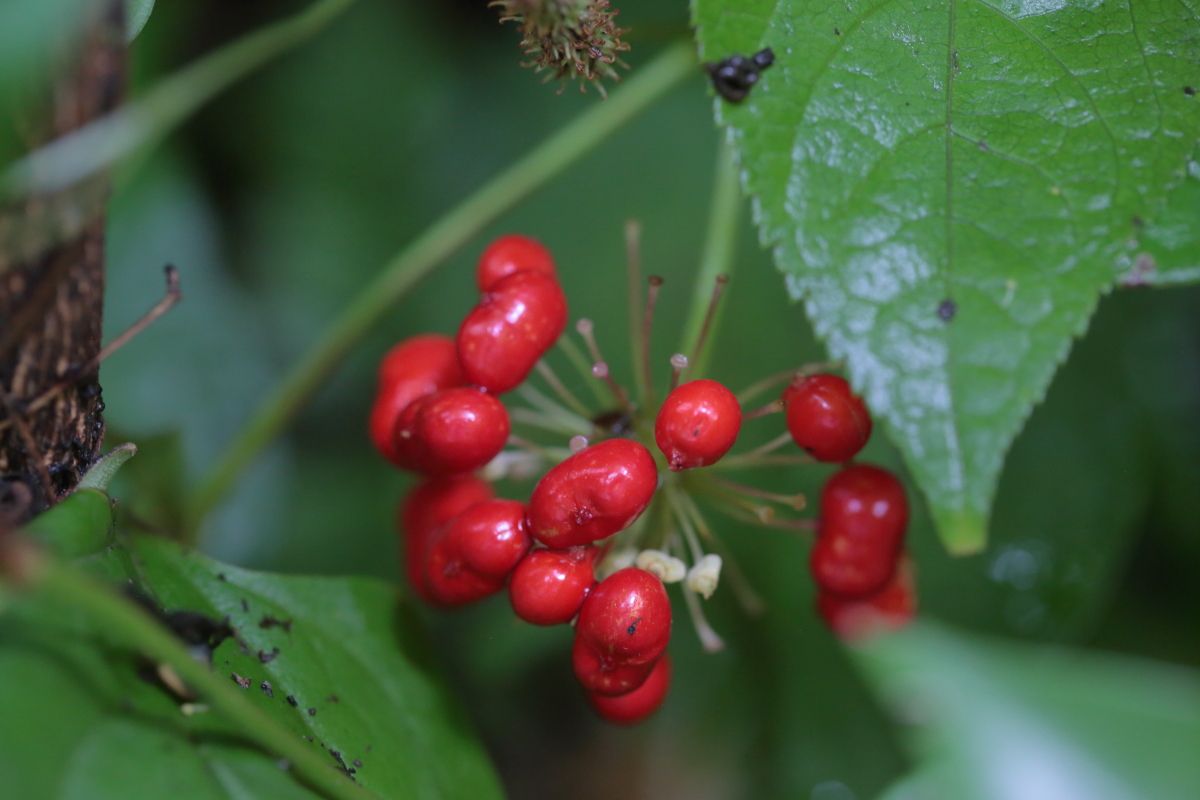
<point x="568" y="39"/>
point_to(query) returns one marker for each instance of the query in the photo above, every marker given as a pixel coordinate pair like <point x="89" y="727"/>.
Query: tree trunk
<point x="52" y="286"/>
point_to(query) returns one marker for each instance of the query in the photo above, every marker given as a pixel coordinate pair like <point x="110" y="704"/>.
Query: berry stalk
<point x="716" y="258"/>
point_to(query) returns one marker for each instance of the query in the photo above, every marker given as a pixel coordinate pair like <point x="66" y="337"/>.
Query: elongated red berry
<point x="509" y="254"/>
<point x="626" y="617"/>
<point x="635" y="706"/>
<point x="474" y="553"/>
<point x="503" y="337"/>
<point x="826" y="418"/>
<point x="891" y="607"/>
<point x="593" y="494"/>
<point x="864" y="514"/>
<point x="606" y="675"/>
<point x="412" y="369"/>
<point x="428" y="507"/>
<point x="697" y="424"/>
<point x="548" y="586"/>
<point x="454" y="430"/>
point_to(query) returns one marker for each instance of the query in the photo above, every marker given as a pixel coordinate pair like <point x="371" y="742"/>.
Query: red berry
<point x="503" y="337"/>
<point x="697" y="424"/>
<point x="425" y="510"/>
<point x="450" y="583"/>
<point x="635" y="706"/>
<point x="410" y="370"/>
<point x="593" y="494"/>
<point x="892" y="607"/>
<point x="548" y="586"/>
<point x="510" y="254"/>
<point x="475" y="552"/>
<point x="826" y="418"/>
<point x="603" y="675"/>
<point x="626" y="618"/>
<point x="454" y="430"/>
<point x="863" y="517"/>
<point x="491" y="536"/>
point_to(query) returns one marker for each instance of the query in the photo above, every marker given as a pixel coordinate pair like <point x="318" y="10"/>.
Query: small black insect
<point x="947" y="309"/>
<point x="734" y="77"/>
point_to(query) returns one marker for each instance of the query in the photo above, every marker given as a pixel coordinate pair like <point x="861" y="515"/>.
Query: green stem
<point x="717" y="259"/>
<point x="433" y="246"/>
<point x="121" y="618"/>
<point x="97" y="146"/>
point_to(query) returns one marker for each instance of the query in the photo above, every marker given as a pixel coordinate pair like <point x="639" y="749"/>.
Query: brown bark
<point x="52" y="285"/>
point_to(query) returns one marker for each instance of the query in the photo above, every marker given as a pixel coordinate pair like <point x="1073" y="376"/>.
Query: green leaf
<point x="1004" y="156"/>
<point x="78" y="526"/>
<point x="347" y="660"/>
<point x="83" y="734"/>
<point x="1168" y="248"/>
<point x="346" y="650"/>
<point x="137" y="14"/>
<point x="995" y="720"/>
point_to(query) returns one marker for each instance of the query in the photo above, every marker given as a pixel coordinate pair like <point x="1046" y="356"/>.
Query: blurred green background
<point x="283" y="197"/>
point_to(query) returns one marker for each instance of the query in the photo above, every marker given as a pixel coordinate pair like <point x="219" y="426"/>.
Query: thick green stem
<point x="99" y="145"/>
<point x="717" y="259"/>
<point x="428" y="250"/>
<point x="130" y="624"/>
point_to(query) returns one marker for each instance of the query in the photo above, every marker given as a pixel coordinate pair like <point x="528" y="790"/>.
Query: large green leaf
<point x="339" y="661"/>
<point x="1016" y="158"/>
<point x="993" y="721"/>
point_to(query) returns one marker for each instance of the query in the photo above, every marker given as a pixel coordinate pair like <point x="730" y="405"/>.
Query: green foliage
<point x="1016" y="159"/>
<point x="337" y="661"/>
<point x="1000" y="721"/>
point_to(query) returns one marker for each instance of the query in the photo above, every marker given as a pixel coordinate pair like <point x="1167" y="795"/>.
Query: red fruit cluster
<point x="437" y="413"/>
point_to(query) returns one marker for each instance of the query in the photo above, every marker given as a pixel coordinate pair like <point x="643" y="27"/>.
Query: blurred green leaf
<point x="998" y="156"/>
<point x="991" y="720"/>
<point x="89" y="728"/>
<point x="76" y="527"/>
<point x="137" y="14"/>
<point x="30" y="31"/>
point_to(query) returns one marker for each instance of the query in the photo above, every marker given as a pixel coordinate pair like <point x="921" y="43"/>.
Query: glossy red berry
<point x="697" y="424"/>
<point x="890" y="608"/>
<point x="635" y="706"/>
<point x="425" y="510"/>
<point x="474" y="553"/>
<point x="548" y="586"/>
<point x="509" y="254"/>
<point x="503" y="337"/>
<point x="605" y="675"/>
<point x="826" y="418"/>
<point x="410" y="370"/>
<point x="864" y="514"/>
<point x="627" y="617"/>
<point x="593" y="494"/>
<point x="492" y="536"/>
<point x="454" y="430"/>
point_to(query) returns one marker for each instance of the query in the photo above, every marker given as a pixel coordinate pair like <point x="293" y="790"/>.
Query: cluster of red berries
<point x="856" y="559"/>
<point x="575" y="551"/>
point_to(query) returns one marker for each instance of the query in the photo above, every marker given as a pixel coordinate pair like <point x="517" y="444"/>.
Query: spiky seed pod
<point x="568" y="39"/>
